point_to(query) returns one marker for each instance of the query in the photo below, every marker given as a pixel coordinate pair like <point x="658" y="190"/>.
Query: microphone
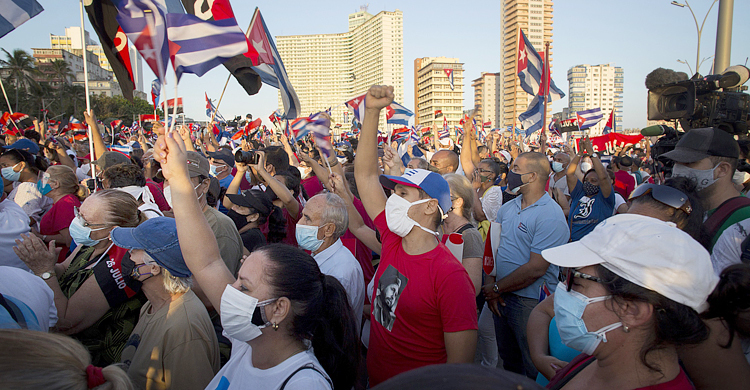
<point x="656" y="130"/>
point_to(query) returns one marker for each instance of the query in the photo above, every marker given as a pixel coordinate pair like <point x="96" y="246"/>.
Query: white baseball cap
<point x="648" y="252"/>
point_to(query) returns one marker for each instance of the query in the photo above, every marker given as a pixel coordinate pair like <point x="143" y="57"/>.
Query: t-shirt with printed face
<point x="586" y="212"/>
<point x="416" y="299"/>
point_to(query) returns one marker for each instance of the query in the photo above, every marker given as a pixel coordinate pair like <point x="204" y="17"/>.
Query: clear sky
<point x="637" y="35"/>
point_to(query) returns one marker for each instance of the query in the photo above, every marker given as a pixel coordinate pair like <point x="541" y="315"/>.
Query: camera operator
<point x="710" y="156"/>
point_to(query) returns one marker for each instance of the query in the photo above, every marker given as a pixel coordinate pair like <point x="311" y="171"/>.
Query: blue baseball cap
<point x="158" y="237"/>
<point x="430" y="182"/>
<point x="24" y="144"/>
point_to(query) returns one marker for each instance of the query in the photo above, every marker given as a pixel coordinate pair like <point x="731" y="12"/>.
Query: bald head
<point x="446" y="161"/>
<point x="533" y="162"/>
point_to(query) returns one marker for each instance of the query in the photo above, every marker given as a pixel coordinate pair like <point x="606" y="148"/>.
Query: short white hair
<point x="335" y="212"/>
<point x="174" y="284"/>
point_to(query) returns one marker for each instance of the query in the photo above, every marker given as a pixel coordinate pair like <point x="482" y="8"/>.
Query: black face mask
<point x="239" y="220"/>
<point x="127" y="266"/>
<point x="590" y="189"/>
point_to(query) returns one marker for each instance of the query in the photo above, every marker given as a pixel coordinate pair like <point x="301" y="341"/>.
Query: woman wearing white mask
<point x="97" y="303"/>
<point x="627" y="308"/>
<point x="280" y="307"/>
<point x="20" y="170"/>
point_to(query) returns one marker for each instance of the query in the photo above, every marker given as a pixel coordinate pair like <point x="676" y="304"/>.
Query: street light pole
<point x="723" y="36"/>
<point x="699" y="29"/>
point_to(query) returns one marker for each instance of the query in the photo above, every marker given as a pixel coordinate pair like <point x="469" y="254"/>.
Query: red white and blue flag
<point x="445" y="131"/>
<point x="400" y="133"/>
<point x="543" y="292"/>
<point x="397" y="114"/>
<point x="588" y="118"/>
<point x="532" y="118"/>
<point x="270" y="69"/>
<point x="531" y="69"/>
<point x="144" y="23"/>
<point x="210" y="110"/>
<point x="610" y="122"/>
<point x="155" y="92"/>
<point x="449" y="73"/>
<point x="355" y="105"/>
<point x="319" y="124"/>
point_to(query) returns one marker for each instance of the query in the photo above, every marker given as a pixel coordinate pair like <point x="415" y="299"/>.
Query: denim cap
<point x="158" y="237"/>
<point x="24" y="144"/>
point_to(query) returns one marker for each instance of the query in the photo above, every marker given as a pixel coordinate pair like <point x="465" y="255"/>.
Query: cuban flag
<point x="532" y="118"/>
<point x="300" y="127"/>
<point x="124" y="149"/>
<point x="14" y="13"/>
<point x="449" y="73"/>
<point x="197" y="46"/>
<point x="400" y="133"/>
<point x="144" y="24"/>
<point x="610" y="122"/>
<point x="397" y="114"/>
<point x="588" y="118"/>
<point x="210" y="109"/>
<point x="320" y="128"/>
<point x="355" y="105"/>
<point x="530" y="70"/>
<point x="155" y="92"/>
<point x="271" y="69"/>
<point x="553" y="128"/>
<point x="543" y="292"/>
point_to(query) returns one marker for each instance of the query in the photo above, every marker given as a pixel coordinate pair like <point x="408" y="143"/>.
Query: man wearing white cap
<point x="423" y="306"/>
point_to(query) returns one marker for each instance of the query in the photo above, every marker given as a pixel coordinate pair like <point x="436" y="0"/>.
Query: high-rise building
<point x="486" y="98"/>
<point x="432" y="91"/>
<point x="71" y="42"/>
<point x="327" y="70"/>
<point x="535" y="18"/>
<point x="592" y="86"/>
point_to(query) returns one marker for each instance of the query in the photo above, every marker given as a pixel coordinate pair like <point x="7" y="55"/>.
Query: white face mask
<point x="585" y="167"/>
<point x="397" y="218"/>
<point x="242" y="316"/>
<point x="168" y="194"/>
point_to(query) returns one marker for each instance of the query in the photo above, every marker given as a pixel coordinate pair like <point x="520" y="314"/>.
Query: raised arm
<point x="366" y="163"/>
<point x="96" y="136"/>
<point x="185" y="134"/>
<point x="234" y="186"/>
<point x="392" y="164"/>
<point x="290" y="203"/>
<point x="570" y="173"/>
<point x="469" y="153"/>
<point x="356" y="224"/>
<point x="605" y="185"/>
<point x="288" y="149"/>
<point x="197" y="240"/>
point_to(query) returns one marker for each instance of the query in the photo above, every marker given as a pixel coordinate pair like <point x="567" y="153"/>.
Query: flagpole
<point x="174" y="109"/>
<point x="515" y="78"/>
<point x="546" y="84"/>
<point x="7" y="102"/>
<point x="86" y="87"/>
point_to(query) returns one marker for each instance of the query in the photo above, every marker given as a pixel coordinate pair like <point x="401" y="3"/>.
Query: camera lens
<point x="246" y="157"/>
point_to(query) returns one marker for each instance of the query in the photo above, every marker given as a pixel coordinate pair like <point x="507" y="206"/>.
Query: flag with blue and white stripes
<point x="532" y="118"/>
<point x="14" y="13"/>
<point x="590" y="117"/>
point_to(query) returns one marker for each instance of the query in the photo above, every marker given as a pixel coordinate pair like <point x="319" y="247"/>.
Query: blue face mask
<point x="307" y="237"/>
<point x="82" y="234"/>
<point x="9" y="174"/>
<point x="569" y="308"/>
<point x="43" y="184"/>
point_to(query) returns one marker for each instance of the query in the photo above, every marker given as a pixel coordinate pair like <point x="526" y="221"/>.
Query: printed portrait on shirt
<point x="390" y="286"/>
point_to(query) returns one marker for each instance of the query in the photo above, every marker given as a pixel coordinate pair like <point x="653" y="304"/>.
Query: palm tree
<point x="77" y="93"/>
<point x="59" y="70"/>
<point x="38" y="93"/>
<point x="21" y="67"/>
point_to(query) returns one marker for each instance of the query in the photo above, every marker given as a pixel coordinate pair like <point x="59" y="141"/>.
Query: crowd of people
<point x="190" y="263"/>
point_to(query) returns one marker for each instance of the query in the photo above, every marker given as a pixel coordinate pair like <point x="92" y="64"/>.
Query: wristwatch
<point x="46" y="275"/>
<point x="495" y="288"/>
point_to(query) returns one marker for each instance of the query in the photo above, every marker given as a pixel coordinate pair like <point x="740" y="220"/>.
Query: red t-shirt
<point x="158" y="194"/>
<point x="416" y="299"/>
<point x="624" y="183"/>
<point x="680" y="382"/>
<point x="59" y="218"/>
<point x="312" y="186"/>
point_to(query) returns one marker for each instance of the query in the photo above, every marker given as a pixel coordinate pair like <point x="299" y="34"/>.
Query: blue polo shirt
<point x="538" y="227"/>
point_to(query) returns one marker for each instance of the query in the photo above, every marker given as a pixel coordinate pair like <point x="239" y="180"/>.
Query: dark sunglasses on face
<point x="572" y="274"/>
<point x="667" y="195"/>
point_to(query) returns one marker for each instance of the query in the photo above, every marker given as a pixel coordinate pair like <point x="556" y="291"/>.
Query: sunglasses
<point x="667" y="195"/>
<point x="572" y="274"/>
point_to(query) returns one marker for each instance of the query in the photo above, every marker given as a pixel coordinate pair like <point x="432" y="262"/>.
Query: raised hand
<point x="379" y="97"/>
<point x="169" y="151"/>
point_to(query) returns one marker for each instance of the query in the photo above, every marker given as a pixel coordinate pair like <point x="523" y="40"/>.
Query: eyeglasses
<point x="85" y="223"/>
<point x="667" y="195"/>
<point x="572" y="274"/>
<point x="482" y="170"/>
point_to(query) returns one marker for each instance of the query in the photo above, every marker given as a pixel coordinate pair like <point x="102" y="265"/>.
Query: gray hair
<point x="422" y="163"/>
<point x="335" y="212"/>
<point x="174" y="284"/>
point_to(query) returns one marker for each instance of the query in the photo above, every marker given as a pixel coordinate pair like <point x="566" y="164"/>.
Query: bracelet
<point x="44" y="237"/>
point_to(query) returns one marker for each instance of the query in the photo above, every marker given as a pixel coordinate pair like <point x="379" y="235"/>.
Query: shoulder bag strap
<point x="571" y="374"/>
<point x="305" y="367"/>
<point x="722" y="213"/>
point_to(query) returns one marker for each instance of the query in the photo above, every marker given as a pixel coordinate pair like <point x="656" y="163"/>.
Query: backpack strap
<point x="463" y="228"/>
<point x="307" y="366"/>
<point x="723" y="212"/>
<point x="571" y="374"/>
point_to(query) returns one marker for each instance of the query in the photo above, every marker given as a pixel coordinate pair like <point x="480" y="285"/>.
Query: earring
<point x="275" y="326"/>
<point x="625" y="328"/>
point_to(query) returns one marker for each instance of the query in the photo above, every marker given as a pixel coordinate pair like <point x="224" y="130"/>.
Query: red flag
<point x="259" y="46"/>
<point x="488" y="261"/>
<point x="121" y="45"/>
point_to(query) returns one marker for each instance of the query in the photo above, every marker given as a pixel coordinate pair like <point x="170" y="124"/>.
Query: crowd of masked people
<point x="183" y="263"/>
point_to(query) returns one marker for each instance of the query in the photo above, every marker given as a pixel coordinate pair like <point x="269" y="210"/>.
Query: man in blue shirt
<point x="592" y="200"/>
<point x="530" y="223"/>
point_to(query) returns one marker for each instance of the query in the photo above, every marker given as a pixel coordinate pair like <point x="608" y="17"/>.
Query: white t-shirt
<point x="239" y="372"/>
<point x="619" y="201"/>
<point x="31" y="290"/>
<point x="339" y="262"/>
<point x="13" y="222"/>
<point x="491" y="200"/>
<point x="728" y="247"/>
<point x="31" y="200"/>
